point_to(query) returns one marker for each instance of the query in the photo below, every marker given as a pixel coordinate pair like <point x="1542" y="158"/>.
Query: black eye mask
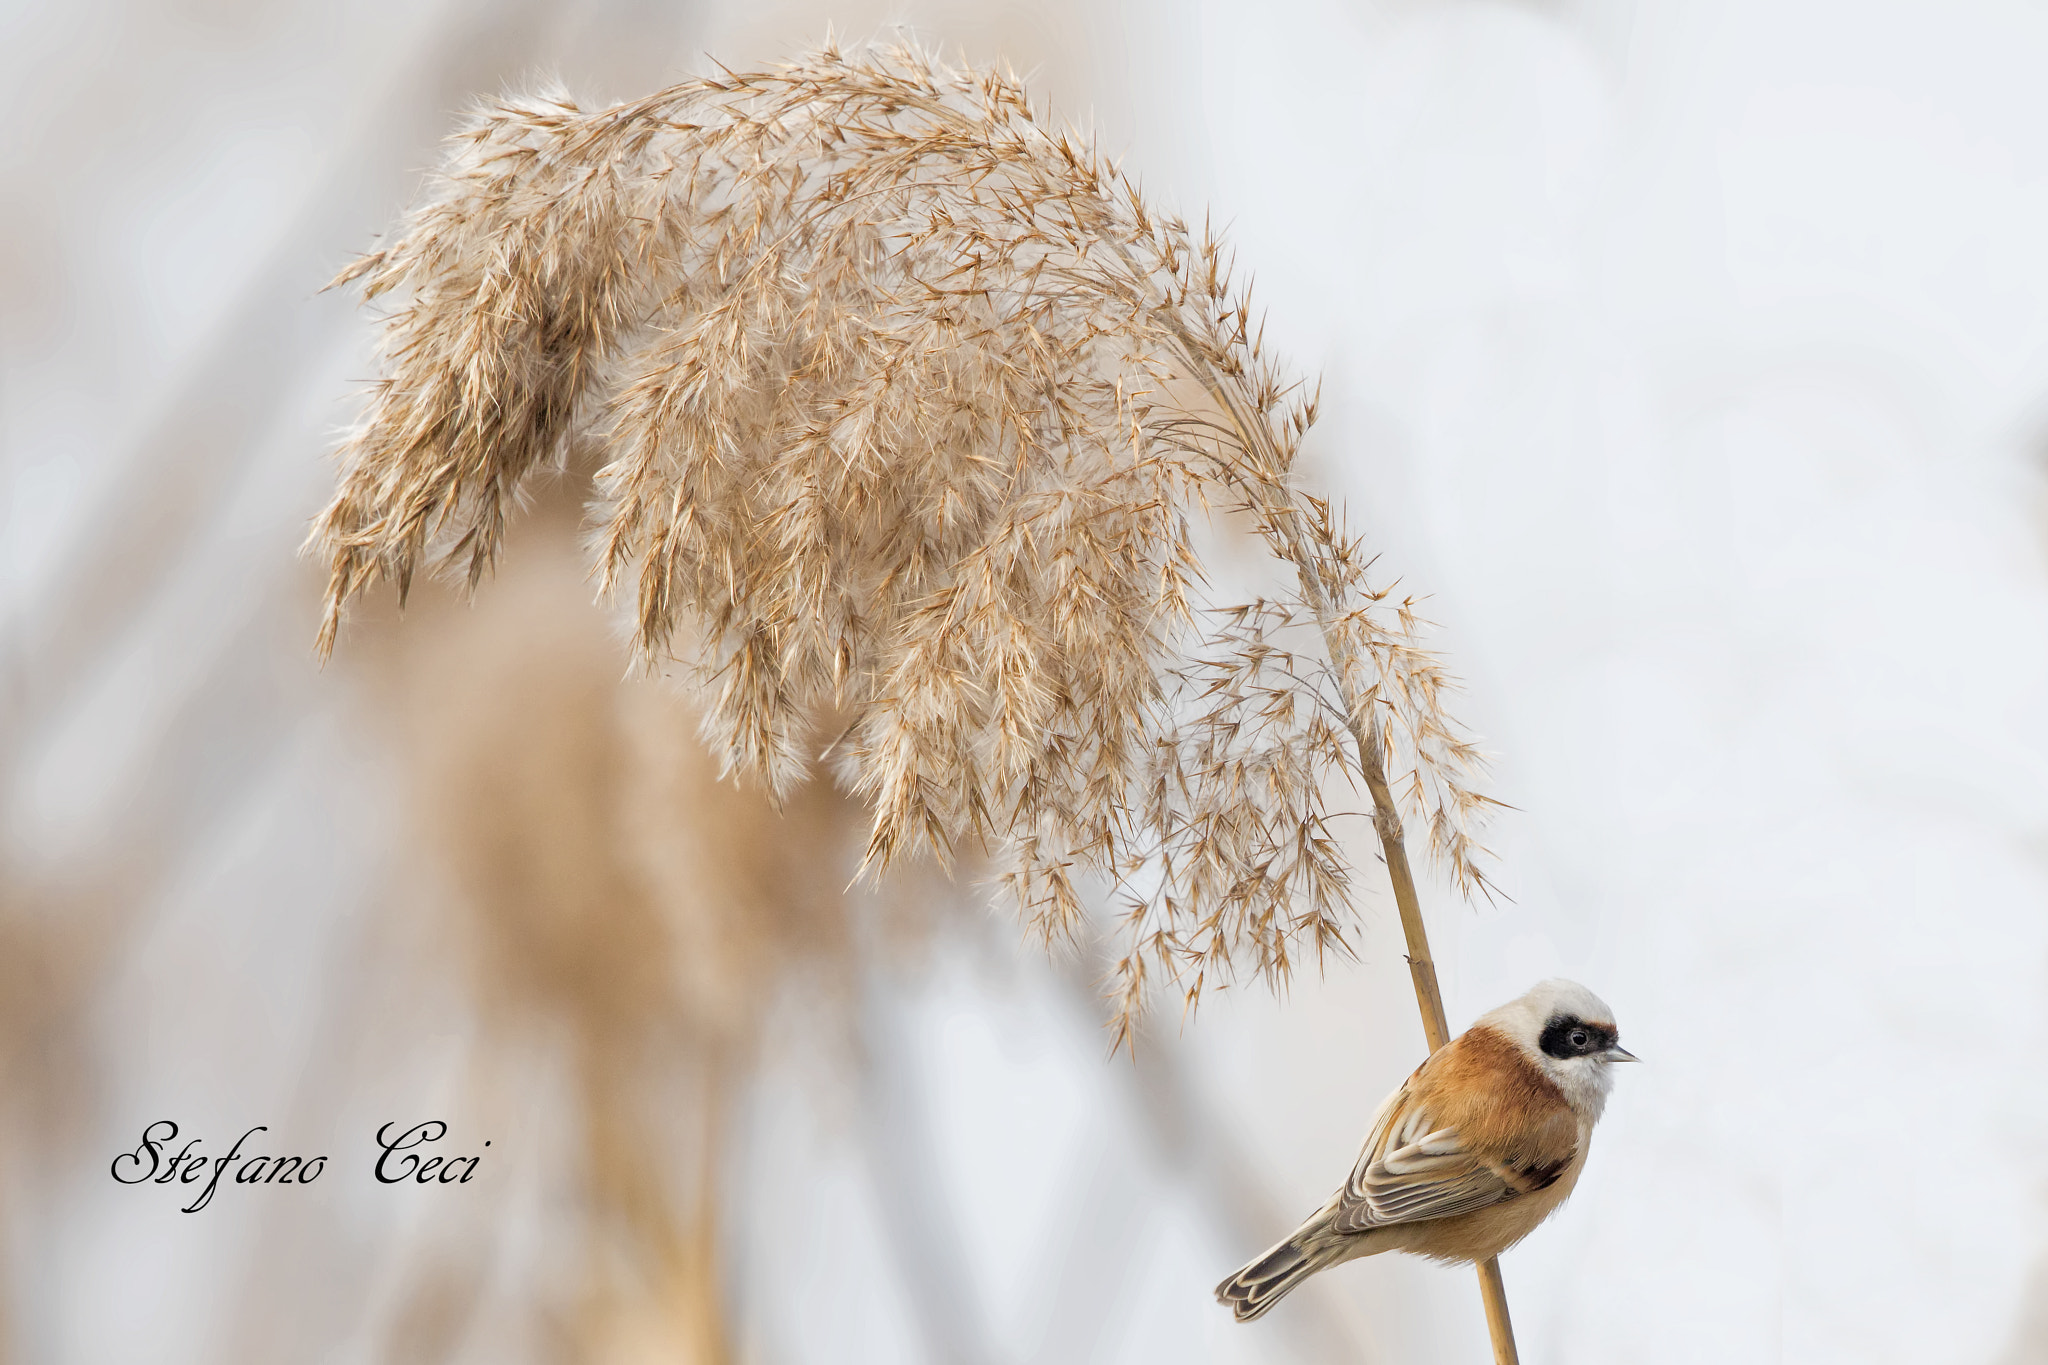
<point x="1557" y="1040"/>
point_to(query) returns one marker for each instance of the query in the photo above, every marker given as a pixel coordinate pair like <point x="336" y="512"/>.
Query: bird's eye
<point x="1578" y="1037"/>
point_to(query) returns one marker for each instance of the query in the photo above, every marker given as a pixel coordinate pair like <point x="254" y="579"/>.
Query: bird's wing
<point x="1412" y="1170"/>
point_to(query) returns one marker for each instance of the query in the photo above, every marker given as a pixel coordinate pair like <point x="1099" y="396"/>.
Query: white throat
<point x="1585" y="1082"/>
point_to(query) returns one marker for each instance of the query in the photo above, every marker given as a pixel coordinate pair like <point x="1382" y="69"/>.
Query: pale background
<point x="1692" y="356"/>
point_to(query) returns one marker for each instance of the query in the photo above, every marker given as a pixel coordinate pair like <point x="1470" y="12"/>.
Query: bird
<point x="1479" y="1145"/>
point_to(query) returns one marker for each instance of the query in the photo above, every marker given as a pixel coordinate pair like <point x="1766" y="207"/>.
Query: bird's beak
<point x="1619" y="1054"/>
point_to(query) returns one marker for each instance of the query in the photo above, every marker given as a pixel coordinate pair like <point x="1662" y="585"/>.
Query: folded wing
<point x="1412" y="1170"/>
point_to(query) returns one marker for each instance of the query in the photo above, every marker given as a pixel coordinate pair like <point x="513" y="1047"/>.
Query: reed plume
<point x="912" y="413"/>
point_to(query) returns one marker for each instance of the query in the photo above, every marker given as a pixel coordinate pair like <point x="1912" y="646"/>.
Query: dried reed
<point x="909" y="403"/>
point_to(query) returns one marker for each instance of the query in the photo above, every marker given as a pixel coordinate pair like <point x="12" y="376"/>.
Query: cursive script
<point x="405" y="1164"/>
<point x="147" y="1162"/>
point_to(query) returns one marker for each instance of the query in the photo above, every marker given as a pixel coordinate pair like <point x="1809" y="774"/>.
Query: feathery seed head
<point x="908" y="403"/>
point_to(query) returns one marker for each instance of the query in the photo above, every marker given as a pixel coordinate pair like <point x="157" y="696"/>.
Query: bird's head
<point x="1570" y="1034"/>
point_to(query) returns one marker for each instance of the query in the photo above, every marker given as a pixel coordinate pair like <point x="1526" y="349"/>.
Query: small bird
<point x="1476" y="1148"/>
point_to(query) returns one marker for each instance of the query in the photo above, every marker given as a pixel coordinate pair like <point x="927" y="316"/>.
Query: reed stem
<point x="1283" y="518"/>
<point x="1429" y="999"/>
<point x="1494" y="1295"/>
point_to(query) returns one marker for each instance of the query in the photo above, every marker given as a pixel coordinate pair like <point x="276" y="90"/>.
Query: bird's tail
<point x="1267" y="1280"/>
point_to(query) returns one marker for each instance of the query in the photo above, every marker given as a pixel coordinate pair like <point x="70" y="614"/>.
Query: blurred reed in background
<point x="622" y="909"/>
